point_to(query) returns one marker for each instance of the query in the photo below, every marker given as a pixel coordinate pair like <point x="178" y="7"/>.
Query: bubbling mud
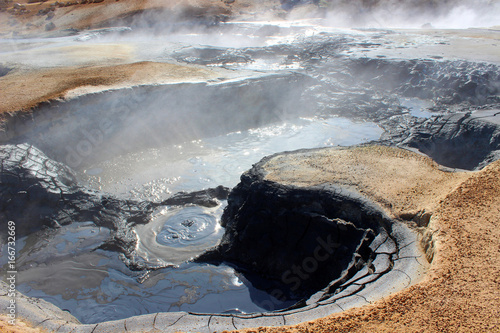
<point x="73" y="267"/>
<point x="64" y="267"/>
<point x="177" y="235"/>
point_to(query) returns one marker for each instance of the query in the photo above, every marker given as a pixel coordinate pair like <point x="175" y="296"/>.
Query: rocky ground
<point x="456" y="210"/>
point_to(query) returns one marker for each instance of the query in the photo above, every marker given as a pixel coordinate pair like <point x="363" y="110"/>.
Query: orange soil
<point x="20" y="327"/>
<point x="23" y="91"/>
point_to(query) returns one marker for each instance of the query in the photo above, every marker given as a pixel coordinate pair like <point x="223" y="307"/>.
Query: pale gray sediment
<point x="395" y="268"/>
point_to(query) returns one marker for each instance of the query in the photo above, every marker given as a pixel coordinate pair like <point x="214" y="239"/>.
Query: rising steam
<point x="445" y="14"/>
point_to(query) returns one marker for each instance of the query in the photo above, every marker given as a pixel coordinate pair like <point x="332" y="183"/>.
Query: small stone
<point x="50" y="26"/>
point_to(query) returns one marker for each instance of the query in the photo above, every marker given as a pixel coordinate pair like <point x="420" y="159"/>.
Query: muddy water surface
<point x="66" y="267"/>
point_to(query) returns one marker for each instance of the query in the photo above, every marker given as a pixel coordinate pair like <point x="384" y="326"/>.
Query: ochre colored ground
<point x="24" y="90"/>
<point x="462" y="290"/>
<point x="20" y="326"/>
<point x="402" y="182"/>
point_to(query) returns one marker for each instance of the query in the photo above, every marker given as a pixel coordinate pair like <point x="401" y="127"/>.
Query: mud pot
<point x="132" y="210"/>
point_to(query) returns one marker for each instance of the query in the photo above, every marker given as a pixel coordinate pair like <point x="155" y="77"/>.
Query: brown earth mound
<point x="25" y="90"/>
<point x="462" y="290"/>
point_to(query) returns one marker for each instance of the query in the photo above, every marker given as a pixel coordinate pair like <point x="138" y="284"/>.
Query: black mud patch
<point x="4" y="70"/>
<point x="298" y="240"/>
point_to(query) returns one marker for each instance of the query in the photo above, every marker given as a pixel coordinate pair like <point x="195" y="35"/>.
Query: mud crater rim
<point x="33" y="127"/>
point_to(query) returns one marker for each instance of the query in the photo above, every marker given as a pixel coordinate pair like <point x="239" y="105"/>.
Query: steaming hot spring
<point x="146" y="145"/>
<point x="253" y="173"/>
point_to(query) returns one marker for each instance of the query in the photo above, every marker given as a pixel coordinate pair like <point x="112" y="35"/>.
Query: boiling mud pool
<point x="65" y="267"/>
<point x="97" y="286"/>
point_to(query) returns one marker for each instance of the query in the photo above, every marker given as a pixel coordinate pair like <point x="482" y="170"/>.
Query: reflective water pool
<point x="155" y="174"/>
<point x="67" y="267"/>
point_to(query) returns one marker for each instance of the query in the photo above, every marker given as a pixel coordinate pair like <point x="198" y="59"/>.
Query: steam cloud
<point x="447" y="14"/>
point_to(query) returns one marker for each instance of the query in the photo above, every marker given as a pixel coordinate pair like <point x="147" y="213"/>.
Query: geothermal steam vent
<point x="284" y="254"/>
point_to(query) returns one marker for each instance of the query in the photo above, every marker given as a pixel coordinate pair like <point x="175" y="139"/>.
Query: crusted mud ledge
<point x="459" y="239"/>
<point x="438" y="280"/>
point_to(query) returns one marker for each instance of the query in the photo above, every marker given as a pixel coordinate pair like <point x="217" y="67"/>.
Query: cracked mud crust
<point x="20" y="326"/>
<point x="462" y="287"/>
